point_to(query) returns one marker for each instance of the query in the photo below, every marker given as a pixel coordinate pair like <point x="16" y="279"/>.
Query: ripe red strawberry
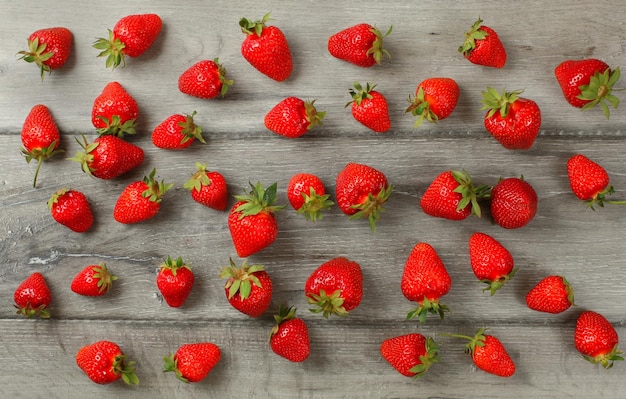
<point x="175" y="281"/>
<point x="589" y="181"/>
<point x="482" y="46"/>
<point x="290" y="336"/>
<point x="596" y="339"/>
<point x="513" y="203"/>
<point x="248" y="288"/>
<point x="586" y="83"/>
<point x="512" y="120"/>
<point x="251" y="220"/>
<point x="177" y="132"/>
<point x="488" y="354"/>
<point x="369" y="107"/>
<point x="410" y="354"/>
<point x="452" y="195"/>
<point x="208" y="188"/>
<point x="335" y="287"/>
<point x="32" y="297"/>
<point x="93" y="280"/>
<point x="553" y="294"/>
<point x="114" y="111"/>
<point x="108" y="156"/>
<point x="40" y="137"/>
<point x="491" y="262"/>
<point x="193" y="362"/>
<point x="266" y="48"/>
<point x="140" y="200"/>
<point x="361" y="192"/>
<point x="71" y="209"/>
<point x="293" y="117"/>
<point x="131" y="36"/>
<point x="48" y="48"/>
<point x="425" y="280"/>
<point x="205" y="79"/>
<point x="361" y="45"/>
<point x="307" y="195"/>
<point x="435" y="99"/>
<point x="104" y="362"/>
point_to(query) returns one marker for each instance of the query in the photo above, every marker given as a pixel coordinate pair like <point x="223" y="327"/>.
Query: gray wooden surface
<point x="37" y="356"/>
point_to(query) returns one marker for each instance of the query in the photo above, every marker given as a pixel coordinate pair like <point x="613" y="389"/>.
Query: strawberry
<point x="482" y="46"/>
<point x="71" y="209"/>
<point x="410" y="354"/>
<point x="512" y="120"/>
<point x="108" y="157"/>
<point x="587" y="83"/>
<point x="208" y="187"/>
<point x="205" y="79"/>
<point x="40" y="137"/>
<point x="491" y="262"/>
<point x="104" y="362"/>
<point x="435" y="99"/>
<point x="175" y="281"/>
<point x="266" y="48"/>
<point x="251" y="220"/>
<point x="48" y="48"/>
<point x="307" y="195"/>
<point x="513" y="203"/>
<point x="140" y="200"/>
<point x="93" y="280"/>
<point x="361" y="45"/>
<point x="335" y="287"/>
<point x="193" y="362"/>
<point x="425" y="280"/>
<point x="177" y="132"/>
<point x="361" y="192"/>
<point x="596" y="339"/>
<point x="131" y="36"/>
<point x="248" y="288"/>
<point x="114" y="111"/>
<point x="488" y="353"/>
<point x="452" y="195"/>
<point x="553" y="294"/>
<point x="293" y="117"/>
<point x="32" y="297"/>
<point x="290" y="336"/>
<point x="369" y="107"/>
<point x="589" y="181"/>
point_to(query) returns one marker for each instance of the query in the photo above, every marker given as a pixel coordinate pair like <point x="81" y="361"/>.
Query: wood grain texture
<point x="37" y="357"/>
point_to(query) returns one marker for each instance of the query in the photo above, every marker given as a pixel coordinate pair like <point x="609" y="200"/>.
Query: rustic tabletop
<point x="565" y="238"/>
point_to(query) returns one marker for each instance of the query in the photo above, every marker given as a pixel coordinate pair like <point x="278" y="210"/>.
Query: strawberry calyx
<point x="314" y="204"/>
<point x="377" y="51"/>
<point x="116" y="127"/>
<point x="477" y="340"/>
<point x="600" y="89"/>
<point x="41" y="154"/>
<point x="37" y="53"/>
<point x="425" y="307"/>
<point x="372" y="206"/>
<point x="496" y="102"/>
<point x="359" y="93"/>
<point x="85" y="157"/>
<point x="226" y="83"/>
<point x="470" y="194"/>
<point x="104" y="277"/>
<point x="494" y="285"/>
<point x="241" y="279"/>
<point x="258" y="200"/>
<point x="171" y="365"/>
<point x="156" y="189"/>
<point x="174" y="264"/>
<point x="190" y="130"/>
<point x="40" y="311"/>
<point x="199" y="179"/>
<point x="327" y="304"/>
<point x="253" y="27"/>
<point x="471" y="36"/>
<point x="420" y="107"/>
<point x="112" y="48"/>
<point x="606" y="359"/>
<point x="284" y="313"/>
<point x="126" y="369"/>
<point x="312" y="115"/>
<point x="428" y="359"/>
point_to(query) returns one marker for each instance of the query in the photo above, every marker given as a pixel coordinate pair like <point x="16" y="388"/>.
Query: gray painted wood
<point x="565" y="238"/>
